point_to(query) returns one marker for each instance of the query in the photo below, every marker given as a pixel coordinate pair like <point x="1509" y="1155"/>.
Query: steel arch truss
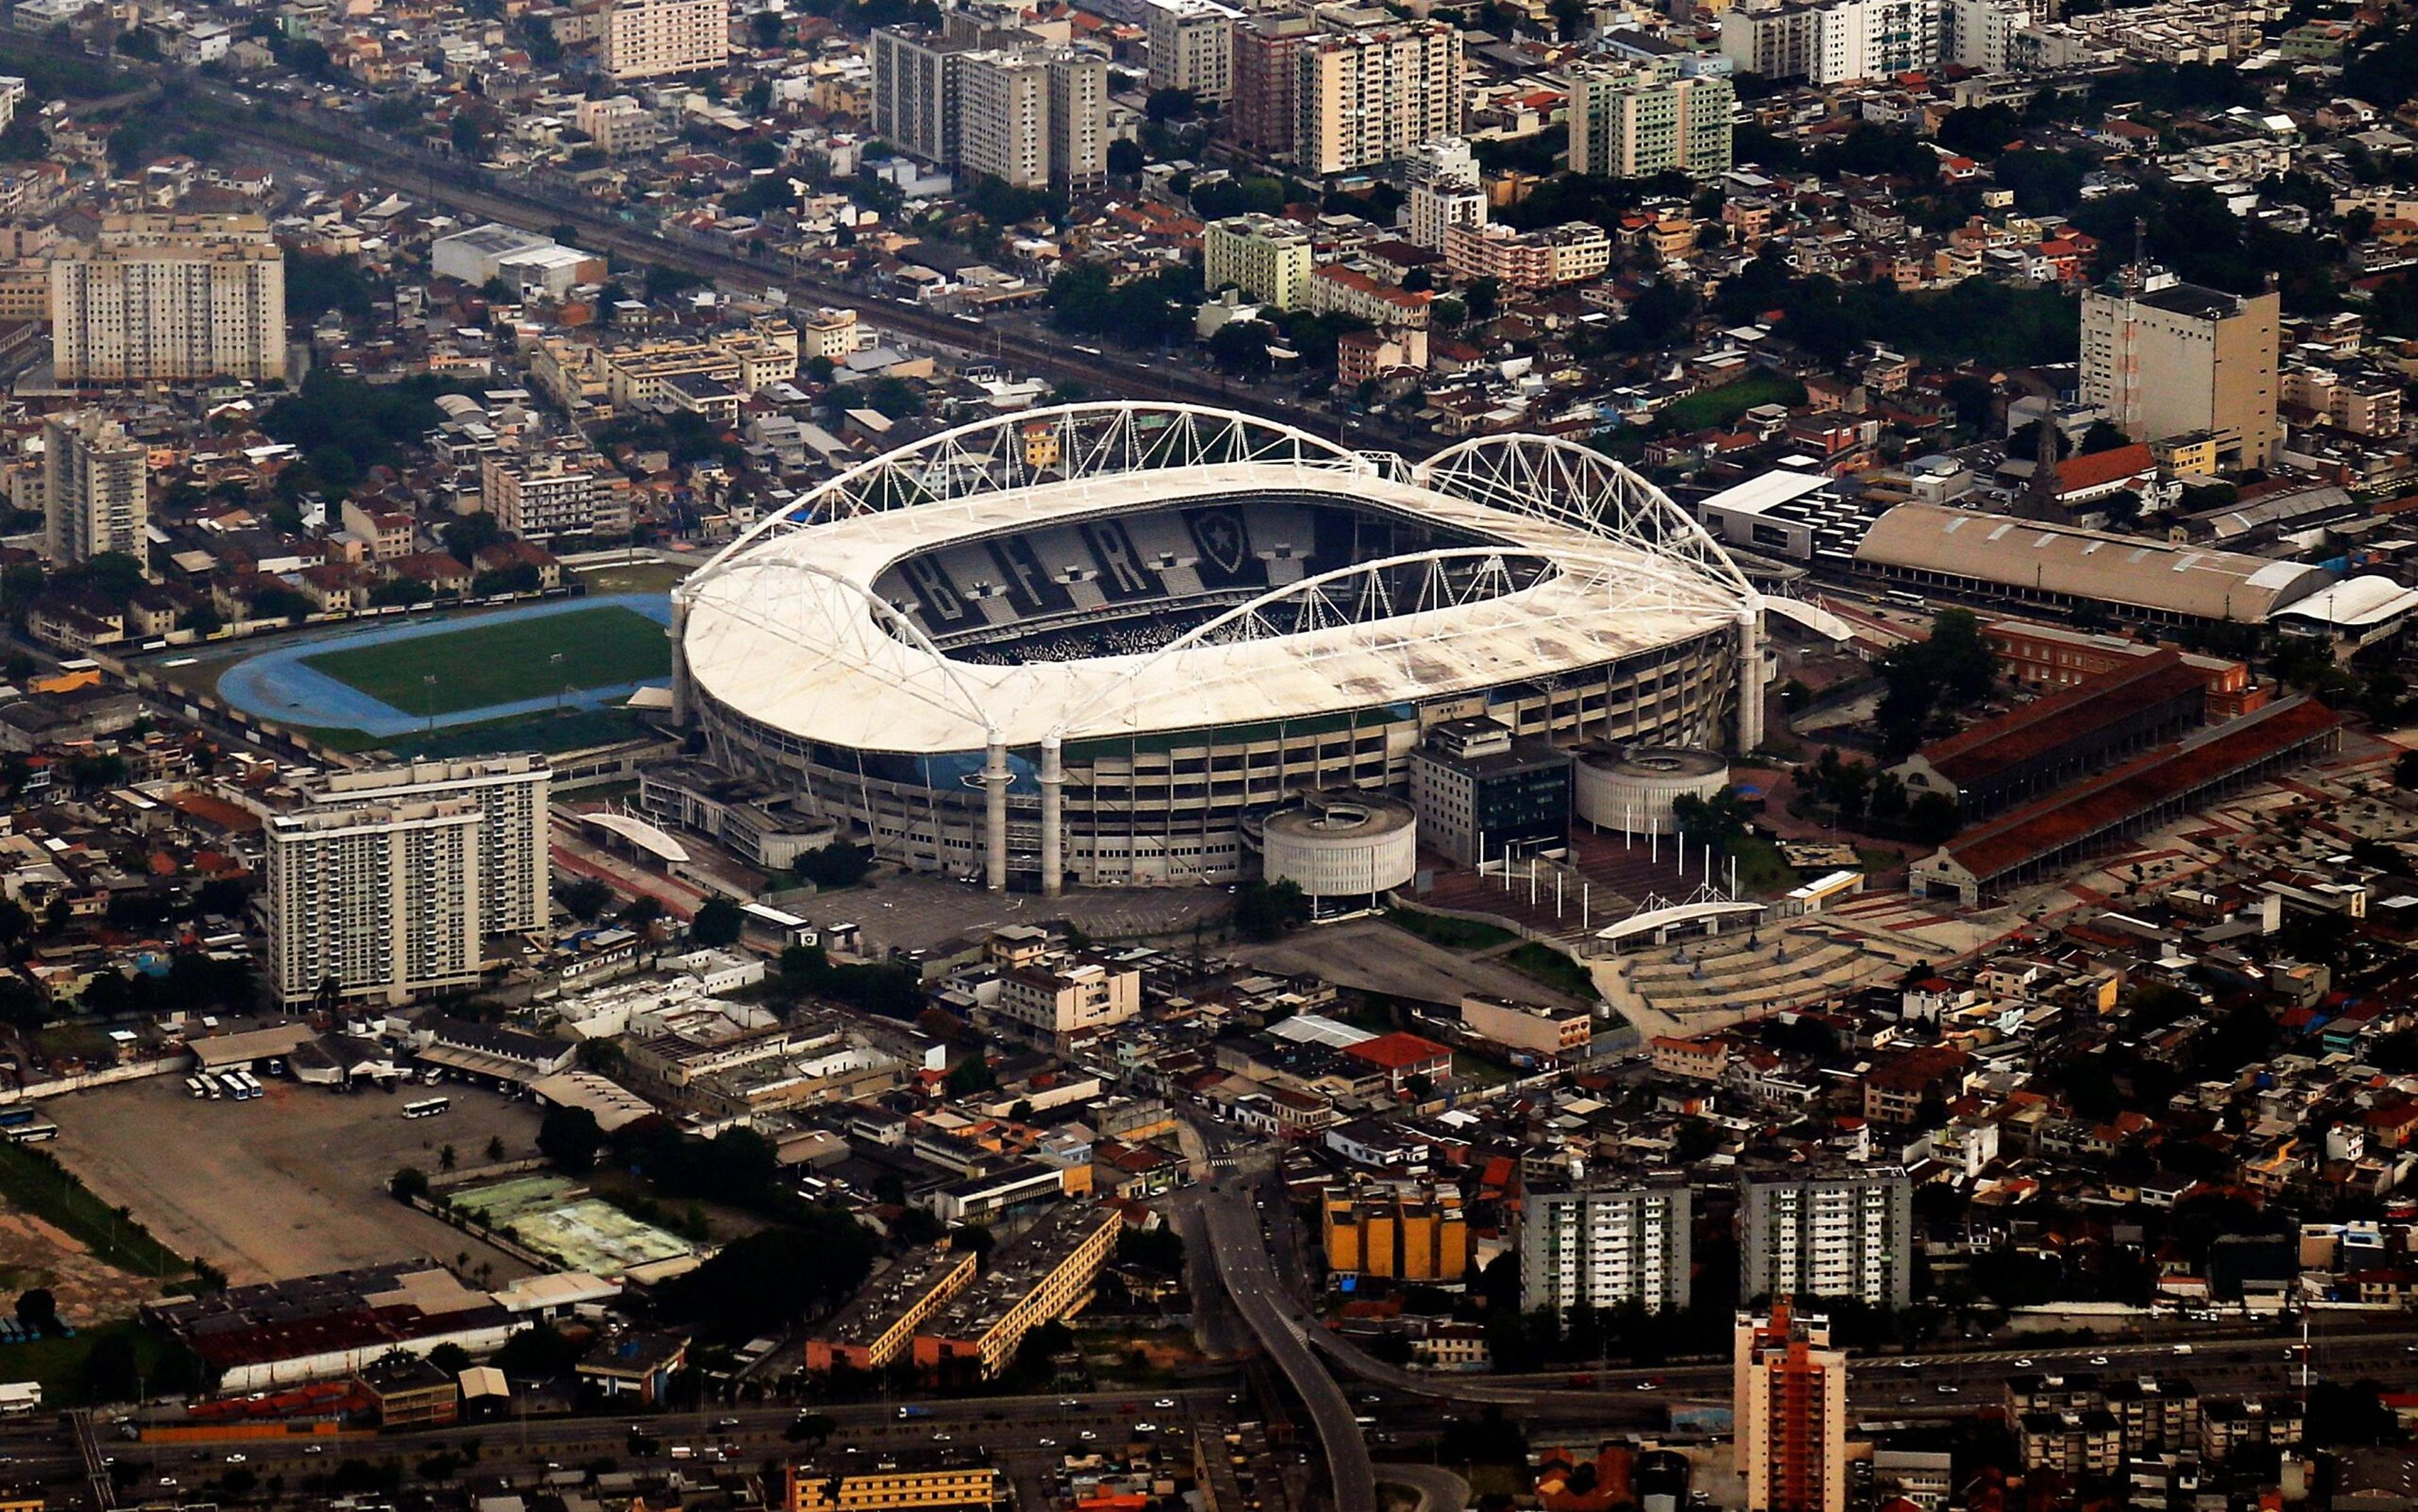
<point x="1064" y="444"/>
<point x="1408" y="617"/>
<point x="784" y="600"/>
<point x="1581" y="488"/>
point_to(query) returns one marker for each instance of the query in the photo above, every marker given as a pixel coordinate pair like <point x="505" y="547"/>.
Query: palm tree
<point x="446" y="1159"/>
<point x="495" y="1147"/>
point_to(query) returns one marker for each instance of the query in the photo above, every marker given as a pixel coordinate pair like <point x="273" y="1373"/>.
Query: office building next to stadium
<point x="1104" y="642"/>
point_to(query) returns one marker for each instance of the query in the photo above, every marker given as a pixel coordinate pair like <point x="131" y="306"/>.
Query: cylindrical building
<point x="1632" y="790"/>
<point x="1341" y="844"/>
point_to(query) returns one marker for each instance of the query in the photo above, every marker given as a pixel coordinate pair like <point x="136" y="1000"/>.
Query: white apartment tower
<point x="1003" y="117"/>
<point x="375" y="901"/>
<point x="1367" y="98"/>
<point x="1192" y="47"/>
<point x="652" y="39"/>
<point x="1445" y="191"/>
<point x="1983" y="33"/>
<point x="1079" y="120"/>
<point x="1607" y="1248"/>
<point x="1834" y="43"/>
<point x="1847" y="1234"/>
<point x="180" y="310"/>
<point x="95" y="478"/>
<point x="514" y="884"/>
<point x="915" y="92"/>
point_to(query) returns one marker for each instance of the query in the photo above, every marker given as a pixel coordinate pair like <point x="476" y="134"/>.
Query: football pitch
<point x="504" y="662"/>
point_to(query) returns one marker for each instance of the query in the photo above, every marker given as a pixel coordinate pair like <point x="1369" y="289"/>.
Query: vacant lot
<point x="285" y="1185"/>
<point x="504" y="662"/>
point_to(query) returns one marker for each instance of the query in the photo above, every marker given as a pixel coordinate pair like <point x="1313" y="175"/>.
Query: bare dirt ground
<point x="34" y="1253"/>
<point x="286" y="1184"/>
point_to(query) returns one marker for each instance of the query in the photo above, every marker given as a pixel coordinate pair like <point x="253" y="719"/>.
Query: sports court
<point x="581" y="1233"/>
<point x="376" y="679"/>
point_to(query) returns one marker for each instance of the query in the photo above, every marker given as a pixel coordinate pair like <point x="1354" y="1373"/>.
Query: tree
<point x="1719" y="822"/>
<point x="1481" y="299"/>
<point x="838" y="865"/>
<point x="764" y="1282"/>
<point x="1241" y="347"/>
<point x="445" y="1158"/>
<point x="584" y="898"/>
<point x="717" y="922"/>
<point x="1125" y="157"/>
<point x="1932" y="817"/>
<point x="1269" y="911"/>
<point x="810" y="1428"/>
<point x="495" y="1148"/>
<point x="38" y="1310"/>
<point x="767" y="28"/>
<point x="540" y="1352"/>
<point x="570" y="1138"/>
<point x="1171" y="104"/>
<point x="970" y="1076"/>
<point x="408" y="1183"/>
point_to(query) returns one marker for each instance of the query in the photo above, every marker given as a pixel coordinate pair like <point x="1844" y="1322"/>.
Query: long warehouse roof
<point x="2087" y="564"/>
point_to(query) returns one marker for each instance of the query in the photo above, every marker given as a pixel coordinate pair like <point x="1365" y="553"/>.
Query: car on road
<point x="1948" y="1389"/>
<point x="1164" y="1403"/>
<point x="1047" y="1443"/>
<point x="2099" y="1359"/>
<point x="1087" y="1434"/>
<point x="237" y="1459"/>
<point x="2023" y="1364"/>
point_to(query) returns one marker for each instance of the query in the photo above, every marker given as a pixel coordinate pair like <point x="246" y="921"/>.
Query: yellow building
<point x="1409" y="1235"/>
<point x="1043" y="1275"/>
<point x="878" y="1324"/>
<point x="895" y="1481"/>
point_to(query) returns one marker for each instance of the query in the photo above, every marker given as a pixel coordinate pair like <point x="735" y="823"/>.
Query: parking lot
<point x="286" y="1183"/>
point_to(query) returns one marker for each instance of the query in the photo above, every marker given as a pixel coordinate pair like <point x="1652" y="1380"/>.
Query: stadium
<point x="1102" y="642"/>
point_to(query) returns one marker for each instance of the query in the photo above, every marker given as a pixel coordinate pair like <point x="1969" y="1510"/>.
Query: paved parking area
<point x="287" y="1183"/>
<point x="920" y="912"/>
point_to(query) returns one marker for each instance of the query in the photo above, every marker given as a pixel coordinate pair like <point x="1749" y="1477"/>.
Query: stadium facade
<point x="1101" y="642"/>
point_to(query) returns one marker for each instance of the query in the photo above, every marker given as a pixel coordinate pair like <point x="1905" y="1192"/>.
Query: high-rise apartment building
<point x="1367" y="98"/>
<point x="1268" y="82"/>
<point x="539" y="498"/>
<point x="184" y="305"/>
<point x="95" y="480"/>
<point x="1834" y="43"/>
<point x="652" y="39"/>
<point x="514" y="884"/>
<point x="915" y="92"/>
<point x="1192" y="47"/>
<point x="2165" y="358"/>
<point x="1029" y="117"/>
<point x="375" y="901"/>
<point x="1982" y="33"/>
<point x="1847" y="1233"/>
<point x="1003" y="117"/>
<point x="1790" y="1403"/>
<point x="1268" y="259"/>
<point x="1445" y="191"/>
<point x="1637" y="120"/>
<point x="1606" y="1248"/>
<point x="1079" y="120"/>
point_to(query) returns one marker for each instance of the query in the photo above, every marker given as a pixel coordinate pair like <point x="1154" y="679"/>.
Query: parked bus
<point x="193" y="1085"/>
<point x="34" y="1133"/>
<point x="247" y="1084"/>
<point x="428" y="1109"/>
<point x="11" y="1117"/>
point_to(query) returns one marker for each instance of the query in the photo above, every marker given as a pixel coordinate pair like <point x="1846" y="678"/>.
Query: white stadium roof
<point x="786" y="627"/>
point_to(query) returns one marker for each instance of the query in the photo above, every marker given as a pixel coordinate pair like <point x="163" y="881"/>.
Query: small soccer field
<point x="507" y="662"/>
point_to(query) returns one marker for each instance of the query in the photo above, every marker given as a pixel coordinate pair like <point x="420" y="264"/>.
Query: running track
<point x="276" y="686"/>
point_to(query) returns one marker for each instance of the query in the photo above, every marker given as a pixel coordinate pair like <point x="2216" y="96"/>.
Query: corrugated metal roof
<point x="2087" y="564"/>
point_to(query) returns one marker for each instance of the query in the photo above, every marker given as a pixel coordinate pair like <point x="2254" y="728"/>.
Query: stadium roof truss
<point x="1582" y="562"/>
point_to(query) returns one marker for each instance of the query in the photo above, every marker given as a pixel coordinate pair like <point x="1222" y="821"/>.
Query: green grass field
<point x="500" y="664"/>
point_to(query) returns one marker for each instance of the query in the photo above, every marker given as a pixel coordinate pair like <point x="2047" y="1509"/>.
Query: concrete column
<point x="682" y="712"/>
<point x="1749" y="713"/>
<point x="995" y="815"/>
<point x="1053" y="817"/>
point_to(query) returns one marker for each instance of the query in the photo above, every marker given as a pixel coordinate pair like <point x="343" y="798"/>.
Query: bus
<point x="429" y="1108"/>
<point x="11" y="1117"/>
<point x="193" y="1085"/>
<point x="244" y="1087"/>
<point x="34" y="1133"/>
